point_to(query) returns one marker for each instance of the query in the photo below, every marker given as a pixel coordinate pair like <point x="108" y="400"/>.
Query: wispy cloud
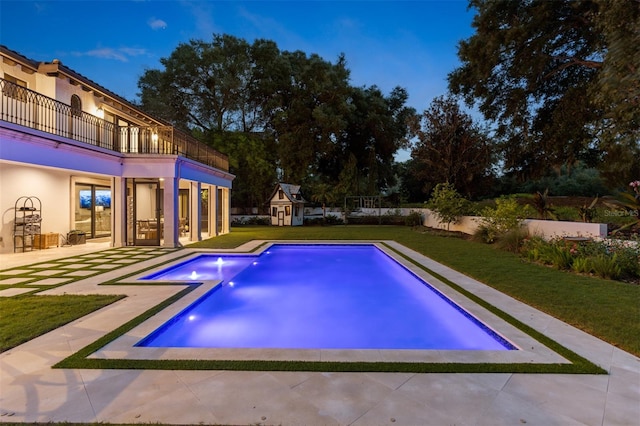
<point x="203" y="19"/>
<point x="122" y="54"/>
<point x="156" y="24"/>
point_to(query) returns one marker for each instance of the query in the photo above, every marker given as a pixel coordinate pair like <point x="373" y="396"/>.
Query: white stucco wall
<point x="49" y="185"/>
<point x="543" y="228"/>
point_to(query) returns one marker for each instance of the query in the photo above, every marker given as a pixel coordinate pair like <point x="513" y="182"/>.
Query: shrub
<point x="606" y="266"/>
<point x="582" y="265"/>
<point x="609" y="259"/>
<point x="253" y="220"/>
<point x="447" y="204"/>
<point x="328" y="220"/>
<point x="560" y="257"/>
<point x="512" y="240"/>
<point x="570" y="214"/>
<point x="413" y="219"/>
<point x="507" y="216"/>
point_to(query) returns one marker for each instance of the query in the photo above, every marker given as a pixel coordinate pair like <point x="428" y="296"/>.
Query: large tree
<point x="293" y="112"/>
<point x="376" y="128"/>
<point x="203" y="85"/>
<point x="452" y="149"/>
<point x="559" y="79"/>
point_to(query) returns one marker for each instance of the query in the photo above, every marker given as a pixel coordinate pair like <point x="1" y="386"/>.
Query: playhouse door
<point x="280" y="217"/>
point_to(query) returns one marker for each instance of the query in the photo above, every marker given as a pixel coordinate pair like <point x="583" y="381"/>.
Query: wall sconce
<point x="100" y="112"/>
<point x="154" y="137"/>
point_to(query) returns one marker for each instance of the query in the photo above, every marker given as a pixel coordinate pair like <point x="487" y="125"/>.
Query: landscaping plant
<point x="497" y="221"/>
<point x="447" y="204"/>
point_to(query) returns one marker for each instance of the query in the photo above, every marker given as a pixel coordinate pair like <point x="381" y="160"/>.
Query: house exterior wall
<point x="49" y="185"/>
<point x="47" y="160"/>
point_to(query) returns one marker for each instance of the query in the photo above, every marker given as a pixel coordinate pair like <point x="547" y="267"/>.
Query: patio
<point x="31" y="391"/>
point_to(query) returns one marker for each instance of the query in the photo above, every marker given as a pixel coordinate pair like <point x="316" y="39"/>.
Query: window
<point x="15" y="88"/>
<point x="76" y="105"/>
<point x="287" y="210"/>
<point x="281" y="194"/>
<point x="274" y="211"/>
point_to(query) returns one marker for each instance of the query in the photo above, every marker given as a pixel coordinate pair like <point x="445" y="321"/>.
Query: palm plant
<point x="630" y="203"/>
<point x="543" y="206"/>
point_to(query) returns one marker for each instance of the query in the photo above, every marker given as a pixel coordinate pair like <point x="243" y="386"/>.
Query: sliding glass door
<point x="93" y="210"/>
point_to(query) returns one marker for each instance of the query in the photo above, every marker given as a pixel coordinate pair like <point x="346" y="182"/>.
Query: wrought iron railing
<point x="27" y="108"/>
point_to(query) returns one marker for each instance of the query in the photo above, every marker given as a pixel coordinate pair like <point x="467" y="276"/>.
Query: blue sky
<point x="412" y="44"/>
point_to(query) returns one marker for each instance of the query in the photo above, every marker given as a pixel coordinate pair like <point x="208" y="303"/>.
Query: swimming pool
<point x="317" y="297"/>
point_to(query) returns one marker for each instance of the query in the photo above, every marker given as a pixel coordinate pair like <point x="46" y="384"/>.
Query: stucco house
<point x="287" y="205"/>
<point x="99" y="165"/>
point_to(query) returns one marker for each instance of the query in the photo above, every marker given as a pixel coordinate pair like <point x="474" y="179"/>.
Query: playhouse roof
<point x="292" y="192"/>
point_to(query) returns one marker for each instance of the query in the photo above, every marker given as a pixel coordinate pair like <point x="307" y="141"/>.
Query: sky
<point x="411" y="44"/>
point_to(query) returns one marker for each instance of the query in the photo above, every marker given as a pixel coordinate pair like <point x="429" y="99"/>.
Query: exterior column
<point x="226" y="212"/>
<point x="118" y="212"/>
<point x="170" y="208"/>
<point x="213" y="210"/>
<point x="194" y="212"/>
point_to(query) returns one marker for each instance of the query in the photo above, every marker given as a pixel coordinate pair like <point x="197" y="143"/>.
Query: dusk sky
<point x="412" y="44"/>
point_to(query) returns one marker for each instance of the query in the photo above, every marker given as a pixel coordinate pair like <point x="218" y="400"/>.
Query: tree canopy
<point x="560" y="81"/>
<point x="287" y="116"/>
<point x="451" y="149"/>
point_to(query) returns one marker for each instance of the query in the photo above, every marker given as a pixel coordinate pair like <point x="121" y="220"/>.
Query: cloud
<point x="156" y="24"/>
<point x="203" y="19"/>
<point x="121" y="54"/>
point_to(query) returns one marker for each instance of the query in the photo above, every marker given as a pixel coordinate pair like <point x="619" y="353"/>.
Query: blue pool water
<point x="318" y="297"/>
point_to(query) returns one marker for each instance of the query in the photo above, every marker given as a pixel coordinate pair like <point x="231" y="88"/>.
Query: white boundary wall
<point x="544" y="228"/>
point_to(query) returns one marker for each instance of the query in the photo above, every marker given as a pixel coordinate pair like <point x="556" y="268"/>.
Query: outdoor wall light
<point x="154" y="137"/>
<point x="100" y="112"/>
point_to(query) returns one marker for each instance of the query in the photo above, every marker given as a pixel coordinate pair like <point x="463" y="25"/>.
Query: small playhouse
<point x="287" y="205"/>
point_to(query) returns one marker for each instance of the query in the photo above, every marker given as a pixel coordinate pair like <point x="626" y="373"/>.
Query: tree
<point x="451" y="148"/>
<point x="290" y="111"/>
<point x="251" y="159"/>
<point x="203" y="85"/>
<point x="558" y="79"/>
<point x="323" y="193"/>
<point x="310" y="113"/>
<point x="376" y="128"/>
<point x="447" y="204"/>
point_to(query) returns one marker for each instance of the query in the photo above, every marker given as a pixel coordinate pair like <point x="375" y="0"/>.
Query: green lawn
<point x="607" y="309"/>
<point x="24" y="317"/>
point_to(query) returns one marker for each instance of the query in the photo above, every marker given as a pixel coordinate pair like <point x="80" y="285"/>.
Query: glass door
<point x="93" y="210"/>
<point x="147" y="212"/>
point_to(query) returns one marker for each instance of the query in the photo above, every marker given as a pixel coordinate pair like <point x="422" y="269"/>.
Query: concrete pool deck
<point x="31" y="391"/>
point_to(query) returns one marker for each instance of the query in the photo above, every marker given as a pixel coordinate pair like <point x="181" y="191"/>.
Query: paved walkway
<point x="31" y="391"/>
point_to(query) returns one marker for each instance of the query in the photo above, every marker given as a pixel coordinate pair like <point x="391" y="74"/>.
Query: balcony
<point x="24" y="107"/>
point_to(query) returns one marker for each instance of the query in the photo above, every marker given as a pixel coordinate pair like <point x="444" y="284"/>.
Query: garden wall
<point x="544" y="228"/>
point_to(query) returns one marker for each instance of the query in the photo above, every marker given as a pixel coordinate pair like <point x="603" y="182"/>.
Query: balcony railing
<point x="27" y="108"/>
